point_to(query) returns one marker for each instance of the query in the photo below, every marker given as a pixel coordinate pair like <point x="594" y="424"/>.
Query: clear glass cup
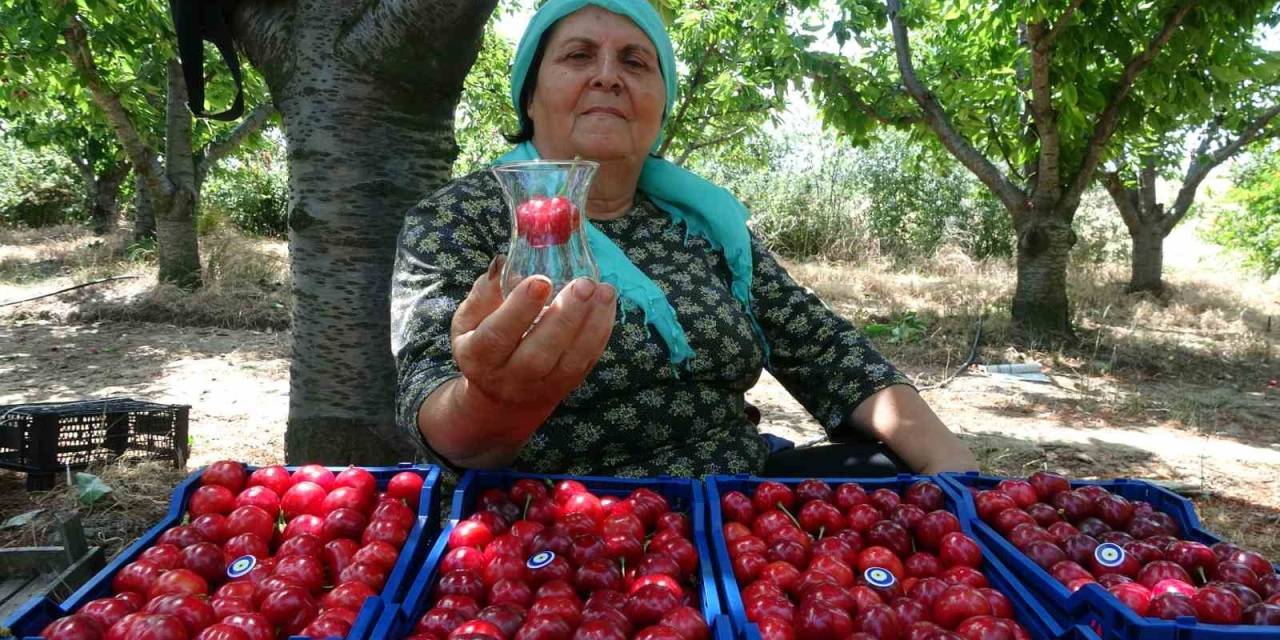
<point x="547" y="199"/>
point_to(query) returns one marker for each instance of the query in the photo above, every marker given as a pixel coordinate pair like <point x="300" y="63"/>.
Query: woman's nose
<point x="608" y="76"/>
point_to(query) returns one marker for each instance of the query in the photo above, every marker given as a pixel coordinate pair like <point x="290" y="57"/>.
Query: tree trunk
<point x="144" y="213"/>
<point x="1148" y="257"/>
<point x="362" y="149"/>
<point x="104" y="199"/>
<point x="177" y="245"/>
<point x="177" y="248"/>
<point x="1040" y="309"/>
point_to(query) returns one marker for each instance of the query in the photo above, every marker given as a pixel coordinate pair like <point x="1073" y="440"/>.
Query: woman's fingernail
<point x="495" y="267"/>
<point x="539" y="288"/>
<point x="584" y="288"/>
<point x="606" y="294"/>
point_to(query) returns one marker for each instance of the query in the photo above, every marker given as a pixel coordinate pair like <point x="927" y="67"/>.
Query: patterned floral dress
<point x="635" y="414"/>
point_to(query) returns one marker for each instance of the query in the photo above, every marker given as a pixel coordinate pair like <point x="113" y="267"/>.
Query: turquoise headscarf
<point x="706" y="210"/>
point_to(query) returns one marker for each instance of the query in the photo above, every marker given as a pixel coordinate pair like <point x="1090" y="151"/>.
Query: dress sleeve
<point x="446" y="242"/>
<point x="821" y="358"/>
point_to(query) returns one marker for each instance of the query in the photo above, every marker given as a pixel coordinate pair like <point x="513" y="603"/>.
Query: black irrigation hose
<point x="61" y="291"/>
<point x="973" y="355"/>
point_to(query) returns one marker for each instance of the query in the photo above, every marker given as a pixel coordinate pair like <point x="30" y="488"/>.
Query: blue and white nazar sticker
<point x="241" y="566"/>
<point x="1109" y="554"/>
<point x="879" y="577"/>
<point x="540" y="559"/>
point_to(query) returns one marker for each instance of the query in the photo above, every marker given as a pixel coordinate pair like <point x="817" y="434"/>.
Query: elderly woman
<point x="657" y="388"/>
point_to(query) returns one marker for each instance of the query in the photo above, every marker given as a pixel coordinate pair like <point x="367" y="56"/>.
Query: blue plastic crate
<point x="1027" y="610"/>
<point x="33" y="616"/>
<point x="684" y="495"/>
<point x="1093" y="605"/>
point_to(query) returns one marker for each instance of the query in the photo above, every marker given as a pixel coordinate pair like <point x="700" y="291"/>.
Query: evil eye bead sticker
<point x="540" y="559"/>
<point x="1109" y="554"/>
<point x="241" y="566"/>
<point x="879" y="577"/>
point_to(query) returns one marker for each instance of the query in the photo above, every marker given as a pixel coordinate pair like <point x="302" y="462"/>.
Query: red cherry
<point x="931" y="529"/>
<point x="957" y="548"/>
<point x="821" y="621"/>
<point x="992" y="503"/>
<point x="813" y="489"/>
<point x="1048" y="485"/>
<point x="304" y="497"/>
<point x="1262" y="614"/>
<point x="772" y="628"/>
<point x="276" y="478"/>
<point x="922" y="565"/>
<point x="406" y="486"/>
<point x="315" y="474"/>
<point x="1133" y="595"/>
<point x="1000" y="605"/>
<point x="1043" y="514"/>
<point x="770" y="495"/>
<point x="358" y="479"/>
<point x="254" y="625"/>
<point x="1045" y="554"/>
<point x="369" y="574"/>
<point x="305" y="524"/>
<point x="211" y="498"/>
<point x="179" y="581"/>
<point x="737" y="507"/>
<point x="958" y="603"/>
<point x="181" y="536"/>
<point x="926" y="495"/>
<point x="1023" y="494"/>
<point x="225" y="473"/>
<point x="221" y="631"/>
<point x="251" y="519"/>
<point x="1216" y="605"/>
<point x="687" y="622"/>
<point x="385" y="531"/>
<point x="338" y="554"/>
<point x="106" y="611"/>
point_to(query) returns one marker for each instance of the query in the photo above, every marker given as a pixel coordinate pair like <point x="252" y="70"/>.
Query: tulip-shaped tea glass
<point x="546" y="199"/>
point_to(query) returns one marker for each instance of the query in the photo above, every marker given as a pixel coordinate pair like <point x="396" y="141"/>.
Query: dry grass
<point x="139" y="498"/>
<point x="246" y="281"/>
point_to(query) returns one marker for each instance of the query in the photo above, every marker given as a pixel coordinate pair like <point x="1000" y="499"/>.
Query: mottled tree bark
<point x="102" y="193"/>
<point x="367" y="93"/>
<point x="144" y="212"/>
<point x="177" y="245"/>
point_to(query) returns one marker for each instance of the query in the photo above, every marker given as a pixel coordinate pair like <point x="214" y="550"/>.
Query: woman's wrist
<point x="473" y="429"/>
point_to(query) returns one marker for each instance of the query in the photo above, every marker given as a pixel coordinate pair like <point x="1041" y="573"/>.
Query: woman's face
<point x="599" y="93"/>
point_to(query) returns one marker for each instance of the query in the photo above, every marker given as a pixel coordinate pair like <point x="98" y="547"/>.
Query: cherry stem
<point x="524" y="515"/>
<point x="793" y="518"/>
<point x="1200" y="571"/>
<point x="821" y="530"/>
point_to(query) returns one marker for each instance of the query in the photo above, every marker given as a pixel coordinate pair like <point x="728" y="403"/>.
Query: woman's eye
<point x="579" y="55"/>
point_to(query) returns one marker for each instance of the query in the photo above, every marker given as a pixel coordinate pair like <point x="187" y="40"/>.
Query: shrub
<point x="38" y="187"/>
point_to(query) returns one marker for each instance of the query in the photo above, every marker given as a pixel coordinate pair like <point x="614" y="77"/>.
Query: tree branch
<point x="688" y="151"/>
<point x="1058" y="27"/>
<point x="1110" y="117"/>
<point x="820" y="67"/>
<point x="141" y="155"/>
<point x="1204" y="162"/>
<point x="219" y="149"/>
<point x="1013" y="198"/>
<point x="409" y="31"/>
<point x="1045" y="119"/>
<point x="1125" y="199"/>
<point x="678" y="118"/>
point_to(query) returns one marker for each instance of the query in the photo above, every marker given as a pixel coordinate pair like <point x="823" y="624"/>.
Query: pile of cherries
<point x="556" y="562"/>
<point x="1086" y="535"/>
<point x="261" y="556"/>
<point x="814" y="563"/>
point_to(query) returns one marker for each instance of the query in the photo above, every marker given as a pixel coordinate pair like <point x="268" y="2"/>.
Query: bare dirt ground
<point x="1173" y="389"/>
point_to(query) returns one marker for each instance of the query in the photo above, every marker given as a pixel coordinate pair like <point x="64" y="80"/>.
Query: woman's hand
<point x="514" y="372"/>
<point x="516" y="363"/>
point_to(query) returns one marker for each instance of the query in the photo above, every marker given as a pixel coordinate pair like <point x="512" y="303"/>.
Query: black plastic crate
<point x="43" y="439"/>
